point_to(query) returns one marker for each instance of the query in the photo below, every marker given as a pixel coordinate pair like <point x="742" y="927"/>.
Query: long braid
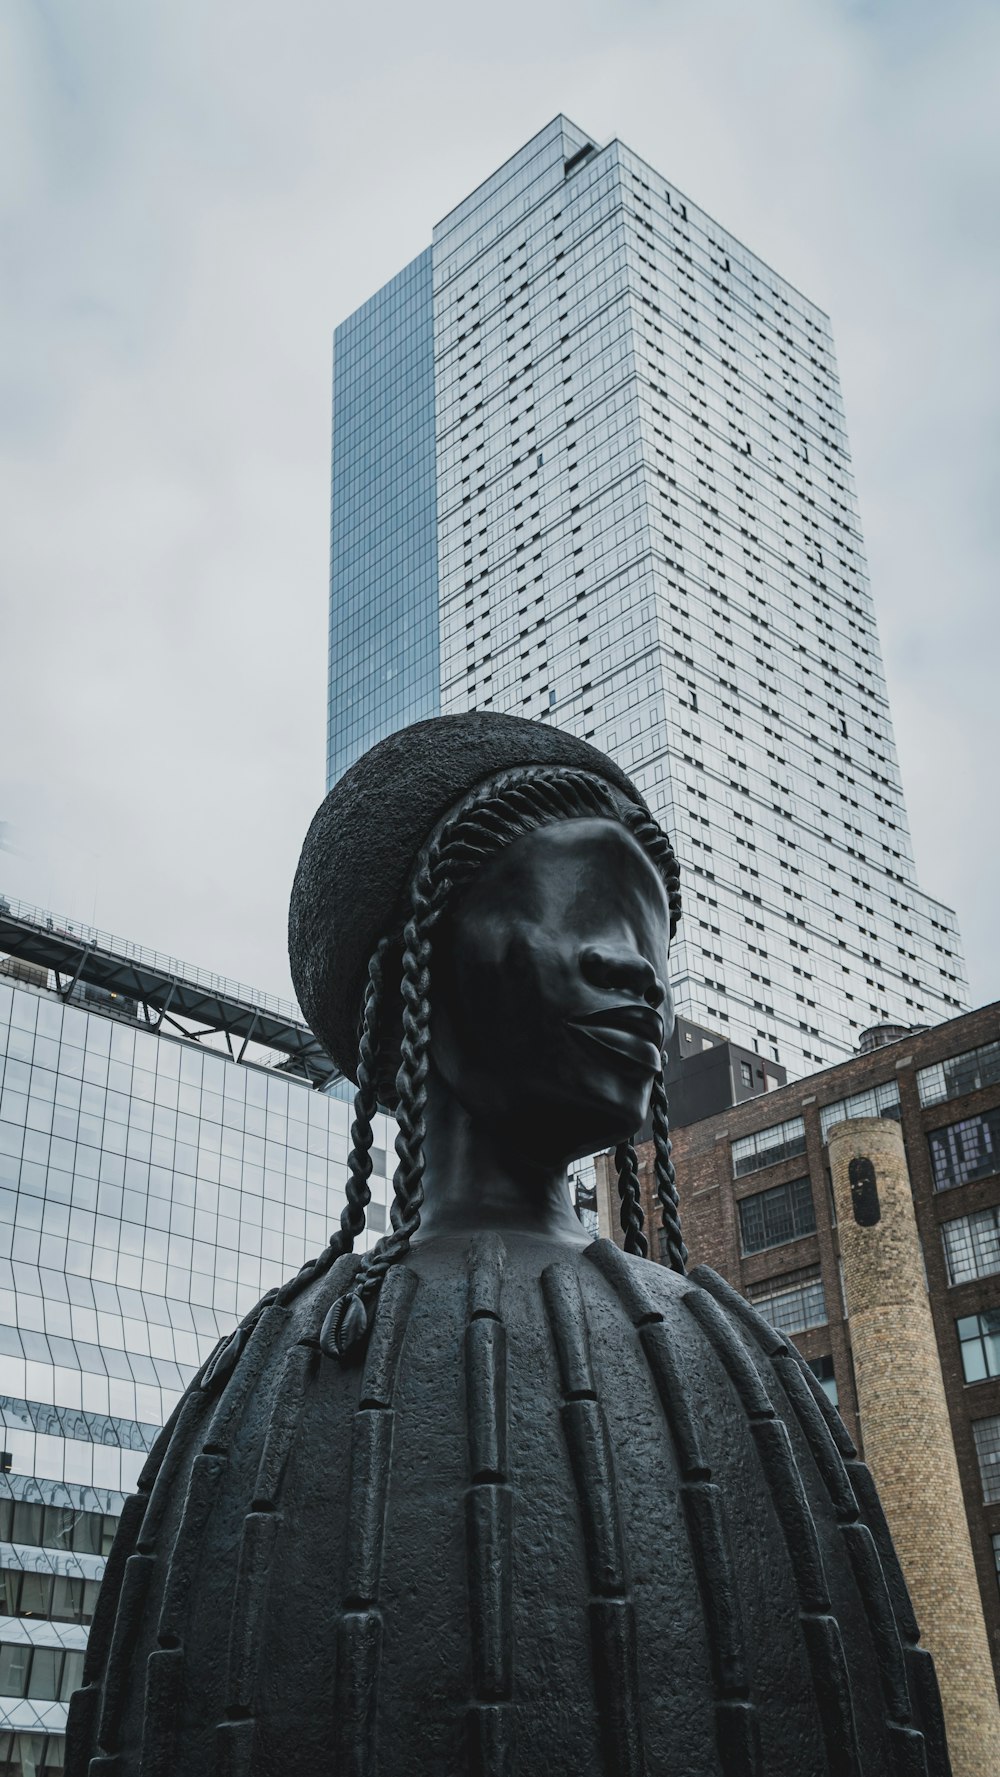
<point x="627" y="1166"/>
<point x="658" y="848"/>
<point x="666" y="1183"/>
<point x="359" y="1164"/>
<point x="347" y="1322"/>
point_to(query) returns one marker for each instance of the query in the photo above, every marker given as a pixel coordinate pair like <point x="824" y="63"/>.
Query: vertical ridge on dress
<point x="359" y="1633"/>
<point x="488" y="1516"/>
<point x="612" y="1612"/>
<point x="855" y="1502"/>
<point x="102" y="1627"/>
<point x="203" y="1485"/>
<point x="135" y="1584"/>
<point x="737" y="1727"/>
<point x="136" y="1527"/>
<point x="164" y="1676"/>
<point x="244" y="1378"/>
<point x="820" y="1629"/>
<point x="282" y="1427"/>
<point x="194" y="1409"/>
<point x="165" y="1665"/>
<point x="235" y="1745"/>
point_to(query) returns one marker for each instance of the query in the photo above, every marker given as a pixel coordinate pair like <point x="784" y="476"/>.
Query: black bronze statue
<point x="492" y="1498"/>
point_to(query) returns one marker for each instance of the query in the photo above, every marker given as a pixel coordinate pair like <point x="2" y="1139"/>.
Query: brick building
<point x="758" y="1206"/>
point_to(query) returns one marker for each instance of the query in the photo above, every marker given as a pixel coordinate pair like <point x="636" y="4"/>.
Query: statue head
<point x="483" y="908"/>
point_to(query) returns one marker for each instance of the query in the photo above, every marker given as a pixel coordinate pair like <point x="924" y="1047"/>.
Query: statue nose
<point x="617" y="966"/>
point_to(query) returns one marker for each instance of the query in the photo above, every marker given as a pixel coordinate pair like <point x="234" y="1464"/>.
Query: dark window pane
<point x="36" y="1590"/>
<point x="769" y="1218"/>
<point x="27" y="1522"/>
<point x="55" y="1757"/>
<point x="72" y="1675"/>
<point x="13" y="1669"/>
<point x="57" y="1531"/>
<point x="964" y="1151"/>
<point x="44" y="1672"/>
<point x="87" y="1533"/>
<point x="67" y="1599"/>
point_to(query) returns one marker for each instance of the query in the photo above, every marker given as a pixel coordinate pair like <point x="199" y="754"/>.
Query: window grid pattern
<point x="959" y="1074"/>
<point x="791" y="1303"/>
<point x="767" y="1146"/>
<point x="979" y="1343"/>
<point x="62" y="1528"/>
<point x="51" y="1597"/>
<point x="962" y="1152"/>
<point x="151" y="1190"/>
<point x="986" y="1436"/>
<point x="877" y="1101"/>
<point x="770" y="1218"/>
<point x="39" y="1673"/>
<point x="972" y="1245"/>
<point x="32" y="1755"/>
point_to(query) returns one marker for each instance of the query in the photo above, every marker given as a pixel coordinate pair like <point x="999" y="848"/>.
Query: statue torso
<point x="567" y="1515"/>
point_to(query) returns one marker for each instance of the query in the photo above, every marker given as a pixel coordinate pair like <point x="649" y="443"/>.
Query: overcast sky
<point x="196" y="191"/>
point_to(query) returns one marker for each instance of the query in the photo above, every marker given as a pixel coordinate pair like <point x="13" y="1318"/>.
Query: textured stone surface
<point x="908" y="1439"/>
<point x="437" y="1560"/>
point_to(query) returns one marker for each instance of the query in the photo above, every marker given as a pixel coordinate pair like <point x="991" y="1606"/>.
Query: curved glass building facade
<point x="151" y="1190"/>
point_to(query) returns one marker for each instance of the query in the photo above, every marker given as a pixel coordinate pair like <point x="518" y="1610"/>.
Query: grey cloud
<point x="194" y="195"/>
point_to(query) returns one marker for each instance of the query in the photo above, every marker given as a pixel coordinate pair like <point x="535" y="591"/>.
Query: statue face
<point x="550" y="1003"/>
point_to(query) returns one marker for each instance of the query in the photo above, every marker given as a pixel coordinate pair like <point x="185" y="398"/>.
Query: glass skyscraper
<point x="639" y="523"/>
<point x="152" y="1188"/>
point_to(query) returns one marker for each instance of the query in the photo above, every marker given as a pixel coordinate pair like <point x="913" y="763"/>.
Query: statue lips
<point x="635" y="1033"/>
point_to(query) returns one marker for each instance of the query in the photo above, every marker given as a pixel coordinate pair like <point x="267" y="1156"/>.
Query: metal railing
<point x="153" y="959"/>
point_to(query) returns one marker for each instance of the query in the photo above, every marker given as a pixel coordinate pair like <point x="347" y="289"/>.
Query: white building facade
<point x="627" y="508"/>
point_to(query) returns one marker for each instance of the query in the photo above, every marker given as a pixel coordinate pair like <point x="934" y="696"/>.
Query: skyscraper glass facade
<point x="383" y="553"/>
<point x="151" y="1190"/>
<point x="647" y="533"/>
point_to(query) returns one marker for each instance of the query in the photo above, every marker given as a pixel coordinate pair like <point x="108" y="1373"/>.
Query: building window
<point x="746" y="1073"/>
<point x="972" y="1245"/>
<point x="32" y="1755"/>
<point x="771" y="1217"/>
<point x="959" y="1074"/>
<point x="964" y="1151"/>
<point x="979" y="1342"/>
<point x="986" y="1433"/>
<point x="51" y="1674"/>
<point x="793" y="1301"/>
<point x="55" y="1597"/>
<point x="878" y="1101"/>
<point x="996" y="1553"/>
<point x="56" y="1527"/>
<point x="822" y="1369"/>
<point x="769" y="1146"/>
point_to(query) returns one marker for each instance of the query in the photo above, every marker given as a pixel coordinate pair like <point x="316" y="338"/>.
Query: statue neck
<point x="471" y="1181"/>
